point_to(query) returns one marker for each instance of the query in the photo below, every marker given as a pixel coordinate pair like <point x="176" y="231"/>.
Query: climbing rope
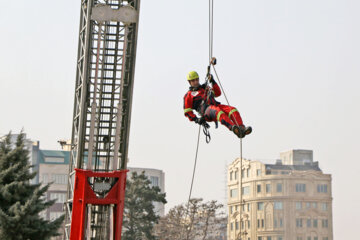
<point x="192" y="180"/>
<point x="196" y="155"/>
<point x="211" y="28"/>
<point x="241" y="158"/>
<point x="205" y="129"/>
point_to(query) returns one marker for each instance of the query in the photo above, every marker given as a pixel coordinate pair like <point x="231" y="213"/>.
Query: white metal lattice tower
<point x="103" y="99"/>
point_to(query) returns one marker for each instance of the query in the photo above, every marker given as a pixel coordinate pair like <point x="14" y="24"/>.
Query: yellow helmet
<point x="192" y="75"/>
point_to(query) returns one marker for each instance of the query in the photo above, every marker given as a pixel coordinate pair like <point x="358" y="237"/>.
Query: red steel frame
<point x="84" y="194"/>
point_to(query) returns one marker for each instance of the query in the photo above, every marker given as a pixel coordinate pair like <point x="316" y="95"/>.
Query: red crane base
<point x="84" y="194"/>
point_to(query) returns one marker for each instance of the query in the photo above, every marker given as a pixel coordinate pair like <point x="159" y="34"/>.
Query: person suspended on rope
<point x="201" y="98"/>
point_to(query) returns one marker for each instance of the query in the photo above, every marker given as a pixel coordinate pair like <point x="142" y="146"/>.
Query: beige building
<point x="288" y="200"/>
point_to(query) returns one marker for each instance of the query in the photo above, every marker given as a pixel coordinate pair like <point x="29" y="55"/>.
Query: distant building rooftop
<point x="297" y="157"/>
<point x="294" y="160"/>
<point x="54" y="157"/>
<point x="314" y="166"/>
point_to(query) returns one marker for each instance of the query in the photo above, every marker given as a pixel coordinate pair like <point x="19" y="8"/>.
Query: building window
<point x="268" y="238"/>
<point x="242" y="225"/>
<point x="279" y="187"/>
<point x="268" y="188"/>
<point x="259" y="238"/>
<point x="325" y="238"/>
<point x="258" y="188"/>
<point x="248" y="207"/>
<point x="231" y="175"/>
<point x="325" y="223"/>
<point x="54" y="159"/>
<point x="236" y="225"/>
<point x="232" y="226"/>
<point x="248" y="223"/>
<point x="300" y="187"/>
<point x="315" y="238"/>
<point x="45" y="179"/>
<point x="314" y="205"/>
<point x="258" y="172"/>
<point x="234" y="193"/>
<point x="59" y="197"/>
<point x="262" y="223"/>
<point x="275" y="223"/>
<point x="298" y="238"/>
<point x="298" y="205"/>
<point x="315" y="223"/>
<point x="308" y="205"/>
<point x="260" y="206"/>
<point x="59" y="179"/>
<point x="154" y="181"/>
<point x="299" y="222"/>
<point x="324" y="206"/>
<point x="308" y="238"/>
<point x="281" y="222"/>
<point x="278" y="205"/>
<point x="322" y="188"/>
<point x="246" y="190"/>
<point x="248" y="172"/>
<point x="308" y="223"/>
<point x="236" y="175"/>
<point x="243" y="173"/>
<point x="231" y="209"/>
<point x="280" y="238"/>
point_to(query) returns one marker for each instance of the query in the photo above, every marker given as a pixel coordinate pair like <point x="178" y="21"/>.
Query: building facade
<point x="53" y="167"/>
<point x="288" y="200"/>
<point x="157" y="179"/>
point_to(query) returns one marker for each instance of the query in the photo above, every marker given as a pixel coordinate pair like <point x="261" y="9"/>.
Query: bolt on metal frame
<point x="102" y="103"/>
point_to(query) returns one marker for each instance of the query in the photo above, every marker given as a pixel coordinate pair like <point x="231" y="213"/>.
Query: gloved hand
<point x="200" y="121"/>
<point x="211" y="79"/>
<point x="203" y="86"/>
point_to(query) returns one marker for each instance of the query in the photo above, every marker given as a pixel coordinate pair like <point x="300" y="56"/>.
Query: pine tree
<point x="20" y="201"/>
<point x="139" y="215"/>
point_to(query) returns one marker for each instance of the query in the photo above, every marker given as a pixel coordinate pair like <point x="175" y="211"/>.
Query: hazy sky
<point x="292" y="68"/>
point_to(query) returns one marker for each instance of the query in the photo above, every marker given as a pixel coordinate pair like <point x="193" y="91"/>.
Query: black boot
<point x="241" y="131"/>
<point x="238" y="131"/>
<point x="247" y="130"/>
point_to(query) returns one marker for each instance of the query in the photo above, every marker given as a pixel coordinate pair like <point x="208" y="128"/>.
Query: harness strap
<point x="232" y="111"/>
<point x="219" y="115"/>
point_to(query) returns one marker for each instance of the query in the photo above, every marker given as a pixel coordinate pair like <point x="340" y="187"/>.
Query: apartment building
<point x="288" y="200"/>
<point x="53" y="167"/>
<point x="157" y="179"/>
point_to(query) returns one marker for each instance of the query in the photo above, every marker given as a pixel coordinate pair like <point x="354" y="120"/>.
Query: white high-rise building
<point x="157" y="178"/>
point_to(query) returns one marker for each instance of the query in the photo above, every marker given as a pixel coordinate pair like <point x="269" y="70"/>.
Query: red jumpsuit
<point x="195" y="99"/>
